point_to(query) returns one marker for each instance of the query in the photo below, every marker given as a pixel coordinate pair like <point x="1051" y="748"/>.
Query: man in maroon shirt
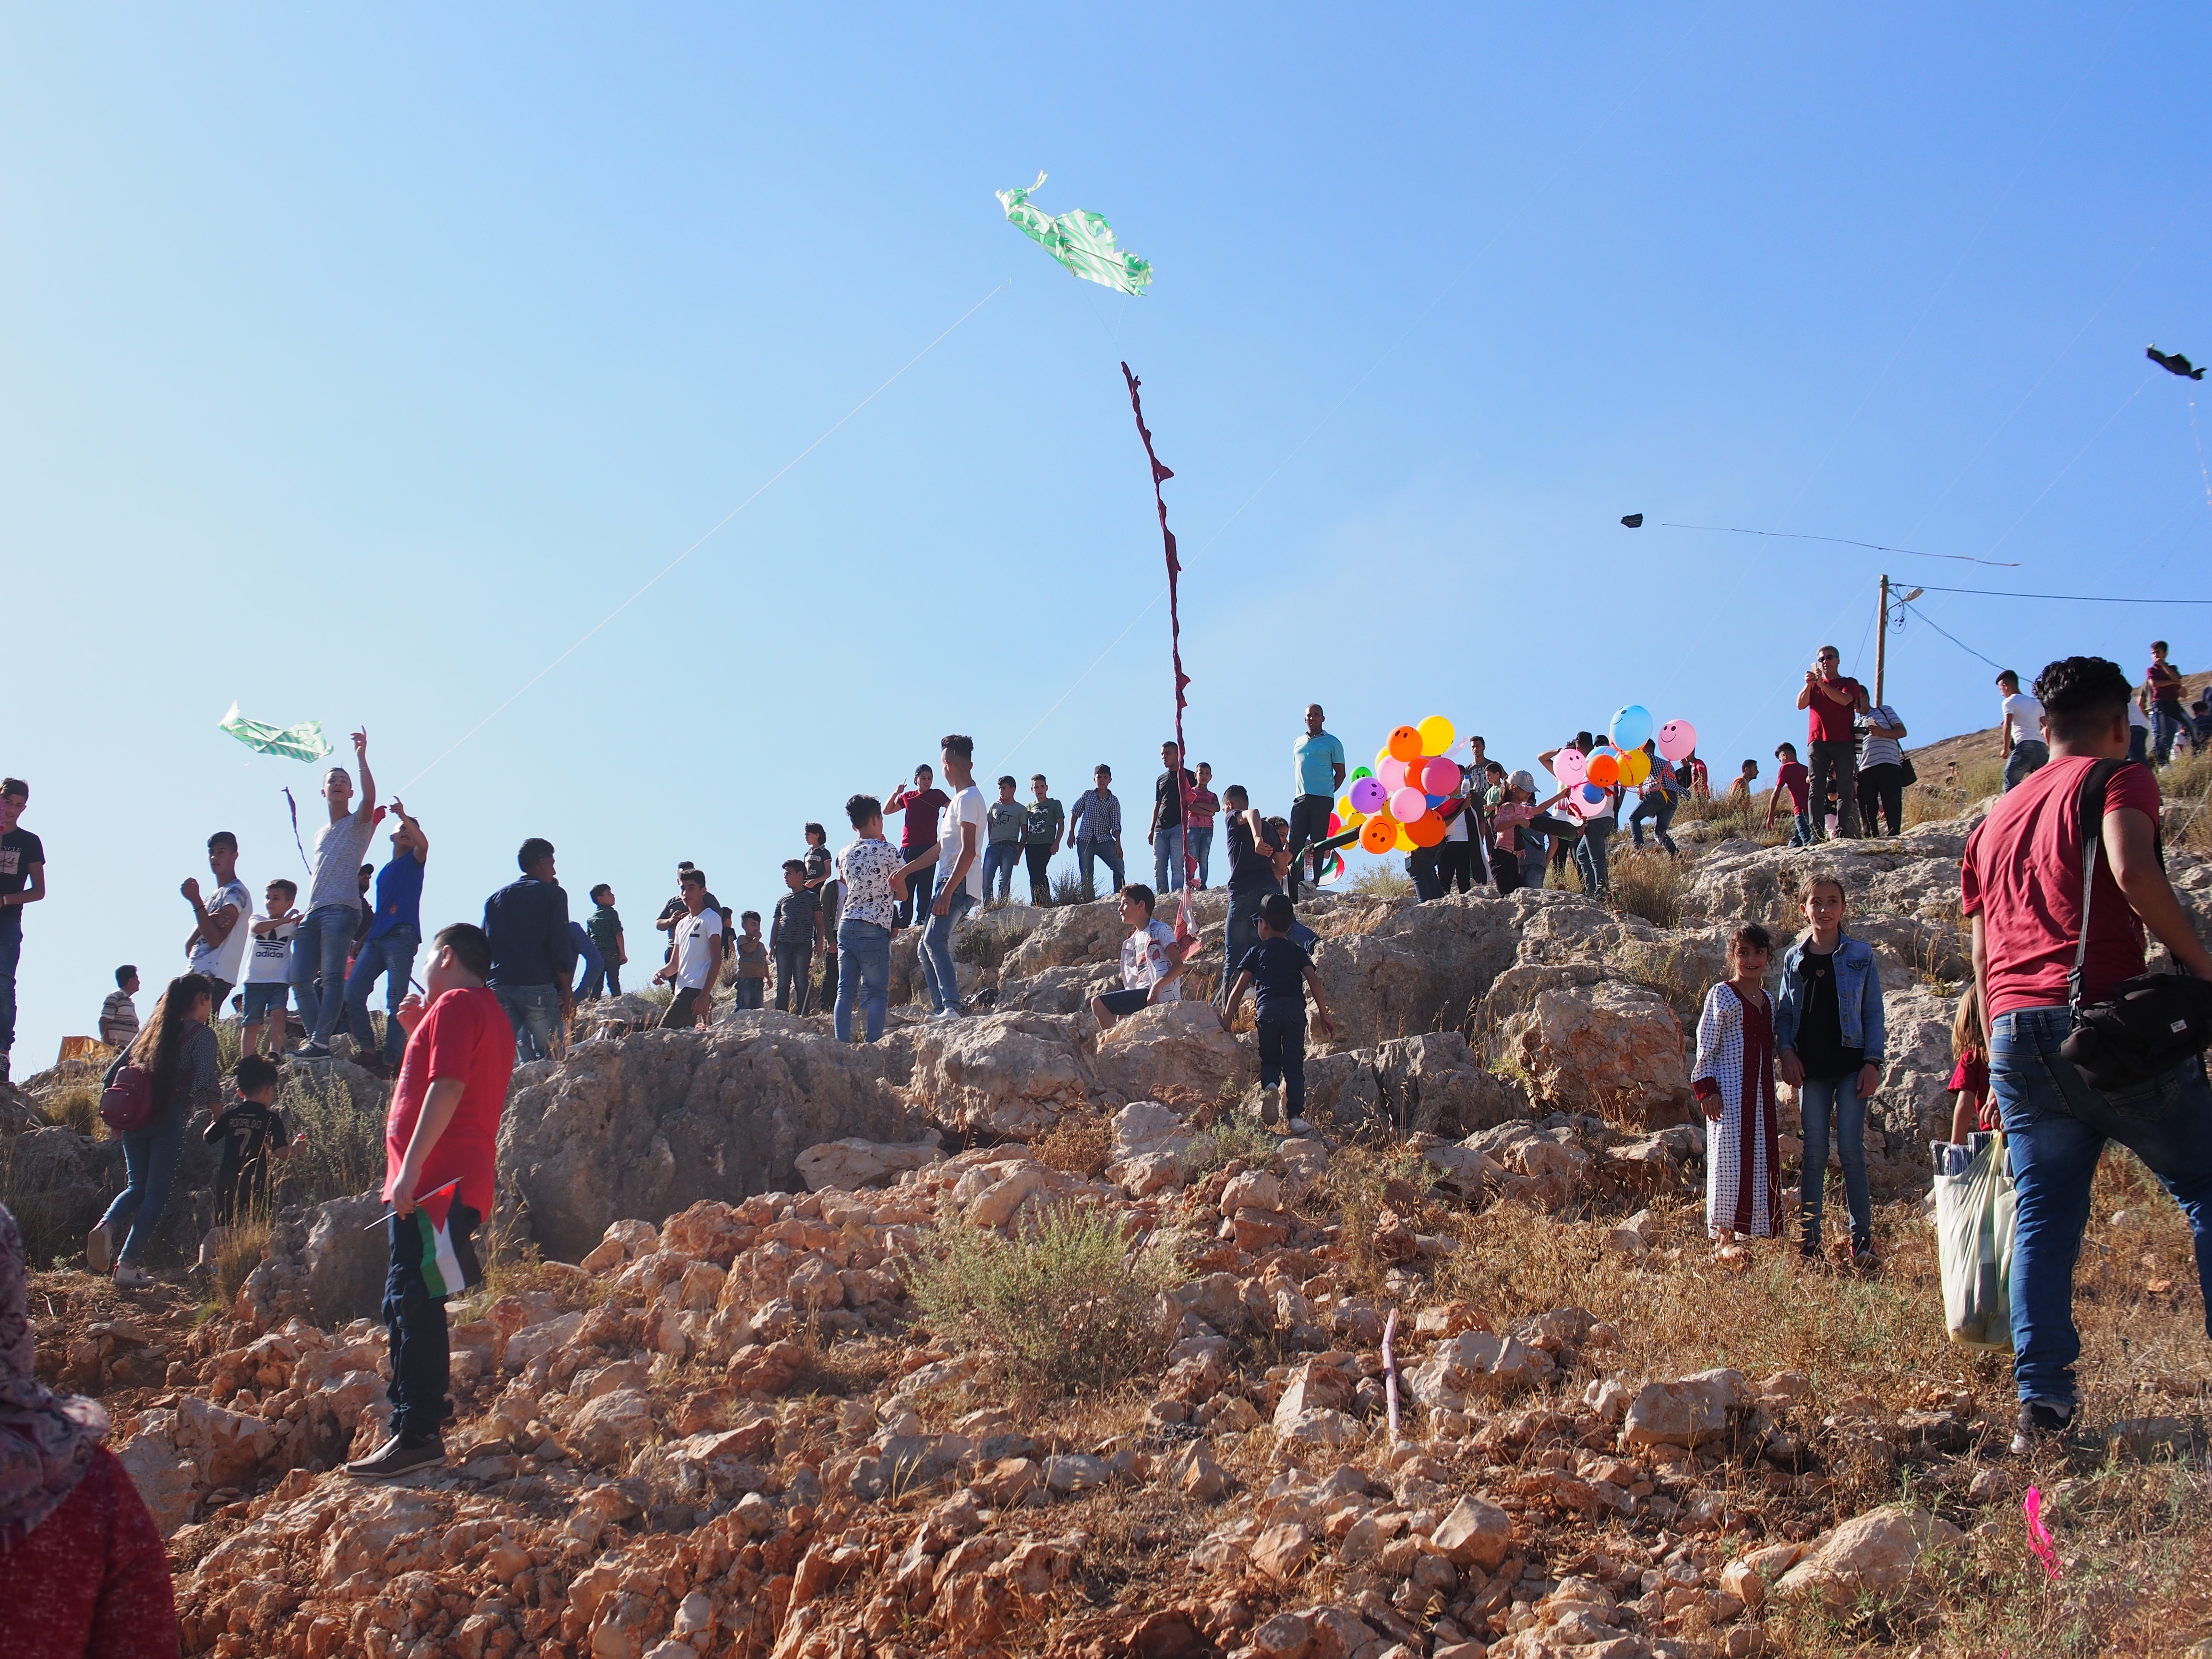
<point x="2022" y="889"/>
<point x="1834" y="704"/>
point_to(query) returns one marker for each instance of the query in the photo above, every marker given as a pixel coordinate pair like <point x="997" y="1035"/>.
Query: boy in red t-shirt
<point x="1794" y="778"/>
<point x="440" y="1146"/>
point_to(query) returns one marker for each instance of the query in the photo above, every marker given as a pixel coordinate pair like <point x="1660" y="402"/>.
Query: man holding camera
<point x="1834" y="702"/>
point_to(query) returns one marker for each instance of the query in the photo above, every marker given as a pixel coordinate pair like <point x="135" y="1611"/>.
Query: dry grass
<point x="240" y="1251"/>
<point x="343" y="1149"/>
<point x="1649" y="884"/>
<point x="1386" y="880"/>
<point x="1080" y="1143"/>
<point x="78" y="1109"/>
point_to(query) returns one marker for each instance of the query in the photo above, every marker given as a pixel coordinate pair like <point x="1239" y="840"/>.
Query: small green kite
<point x="1082" y="242"/>
<point x="303" y="742"/>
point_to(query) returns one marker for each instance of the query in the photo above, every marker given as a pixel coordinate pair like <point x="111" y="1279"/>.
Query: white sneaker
<point x="129" y="1278"/>
<point x="99" y="1249"/>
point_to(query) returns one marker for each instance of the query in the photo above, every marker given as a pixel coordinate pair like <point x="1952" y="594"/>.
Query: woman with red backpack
<point x="148" y="1096"/>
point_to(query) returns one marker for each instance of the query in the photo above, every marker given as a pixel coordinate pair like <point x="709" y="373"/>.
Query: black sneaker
<point x="312" y="1051"/>
<point x="2041" y="1426"/>
<point x="396" y="1457"/>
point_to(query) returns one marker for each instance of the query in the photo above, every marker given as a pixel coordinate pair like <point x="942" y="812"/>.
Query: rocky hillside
<point x="1007" y="1335"/>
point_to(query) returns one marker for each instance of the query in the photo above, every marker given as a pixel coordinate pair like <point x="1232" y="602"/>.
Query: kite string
<point x="1841" y="541"/>
<point x="2071" y="598"/>
<point x="2069" y="467"/>
<point x="2199" y="442"/>
<point x="653" y="580"/>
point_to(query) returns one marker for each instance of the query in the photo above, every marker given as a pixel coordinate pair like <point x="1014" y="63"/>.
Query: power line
<point x="1948" y="634"/>
<point x="1841" y="541"/>
<point x="2070" y="598"/>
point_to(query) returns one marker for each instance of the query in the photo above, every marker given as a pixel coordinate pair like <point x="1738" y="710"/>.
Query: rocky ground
<point x="1453" y="1374"/>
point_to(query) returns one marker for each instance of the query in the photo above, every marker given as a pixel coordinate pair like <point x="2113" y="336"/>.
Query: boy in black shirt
<point x="793" y="938"/>
<point x="1282" y="971"/>
<point x="250" y="1133"/>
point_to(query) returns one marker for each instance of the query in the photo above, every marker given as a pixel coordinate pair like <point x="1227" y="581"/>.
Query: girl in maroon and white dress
<point x="1734" y="1084"/>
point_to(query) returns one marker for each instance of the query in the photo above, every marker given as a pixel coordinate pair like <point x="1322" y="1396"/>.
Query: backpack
<point x="127" y="1103"/>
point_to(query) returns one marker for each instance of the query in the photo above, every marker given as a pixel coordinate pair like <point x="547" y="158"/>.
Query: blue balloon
<point x="1436" y="801"/>
<point x="1592" y="794"/>
<point x="1631" y="726"/>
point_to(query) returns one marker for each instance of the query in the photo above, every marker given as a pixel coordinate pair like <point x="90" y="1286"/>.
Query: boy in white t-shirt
<point x="963" y="829"/>
<point x="216" y="946"/>
<point x="1152" y="962"/>
<point x="695" y="957"/>
<point x="2021" y="732"/>
<point x="269" y="966"/>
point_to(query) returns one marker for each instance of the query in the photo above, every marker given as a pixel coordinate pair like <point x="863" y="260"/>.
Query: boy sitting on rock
<point x="1282" y="970"/>
<point x="1152" y="962"/>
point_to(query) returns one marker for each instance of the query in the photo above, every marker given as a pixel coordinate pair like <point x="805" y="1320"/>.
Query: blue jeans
<point x="1660" y="809"/>
<point x="1241" y="934"/>
<point x="1102" y="850"/>
<point x="318" y="950"/>
<point x="149" y="1165"/>
<point x="2028" y="756"/>
<point x="533" y="1010"/>
<point x="603" y="980"/>
<point x="2138" y="742"/>
<point x="392" y="955"/>
<point x="2165" y="727"/>
<point x="999" y="858"/>
<point x="1167" y="860"/>
<point x="937" y="953"/>
<point x="864" y="976"/>
<point x="1201" y="837"/>
<point x="2056" y="1127"/>
<point x="11" y="952"/>
<point x="1818" y="1100"/>
<point x="1590" y="855"/>
<point x="1801" y="835"/>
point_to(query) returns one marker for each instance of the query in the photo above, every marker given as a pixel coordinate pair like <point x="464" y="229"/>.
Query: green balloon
<point x="1362" y="773"/>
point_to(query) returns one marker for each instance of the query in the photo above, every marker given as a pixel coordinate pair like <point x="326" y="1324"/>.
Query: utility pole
<point x="1881" y="643"/>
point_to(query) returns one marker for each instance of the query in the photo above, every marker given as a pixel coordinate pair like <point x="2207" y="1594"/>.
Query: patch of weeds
<point x="1069" y="888"/>
<point x="342" y="1149"/>
<point x="240" y="1250"/>
<point x="1081" y="1143"/>
<point x="79" y="1110"/>
<point x="1380" y="881"/>
<point x="1649" y="884"/>
<point x="1234" y="1134"/>
<point x="1066" y="1304"/>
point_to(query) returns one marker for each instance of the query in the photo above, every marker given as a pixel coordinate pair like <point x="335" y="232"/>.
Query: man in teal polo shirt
<point x="1318" y="764"/>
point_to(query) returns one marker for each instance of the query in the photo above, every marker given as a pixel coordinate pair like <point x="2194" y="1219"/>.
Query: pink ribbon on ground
<point x="2038" y="1537"/>
<point x="1390" y="1372"/>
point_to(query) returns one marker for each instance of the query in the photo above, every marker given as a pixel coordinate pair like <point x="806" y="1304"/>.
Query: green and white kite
<point x="1082" y="242"/>
<point x="303" y="742"/>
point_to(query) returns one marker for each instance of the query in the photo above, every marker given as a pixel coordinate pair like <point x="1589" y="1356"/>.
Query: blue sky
<point x="356" y="366"/>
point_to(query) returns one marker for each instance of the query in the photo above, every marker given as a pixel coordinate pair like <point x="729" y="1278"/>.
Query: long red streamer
<point x="1160" y="474"/>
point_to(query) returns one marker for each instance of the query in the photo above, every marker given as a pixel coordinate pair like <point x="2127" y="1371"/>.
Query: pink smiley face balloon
<point x="1678" y="740"/>
<point x="1569" y="767"/>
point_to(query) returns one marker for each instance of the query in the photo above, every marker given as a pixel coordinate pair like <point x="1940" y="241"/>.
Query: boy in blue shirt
<point x="1282" y="971"/>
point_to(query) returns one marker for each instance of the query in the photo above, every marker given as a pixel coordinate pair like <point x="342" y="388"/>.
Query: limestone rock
<point x="1281" y="1551"/>
<point x="1475" y="1533"/>
<point x="1418" y="967"/>
<point x="1144" y="1128"/>
<point x="852" y="1163"/>
<point x="1684" y="1413"/>
<point x="609" y="1427"/>
<point x="1872" y="1554"/>
<point x="650" y="1124"/>
<point x="1006" y="1073"/>
<point x="1474" y="1364"/>
<point x="1608" y="1048"/>
<point x="1178" y="1043"/>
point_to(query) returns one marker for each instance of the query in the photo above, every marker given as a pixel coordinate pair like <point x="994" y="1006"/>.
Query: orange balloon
<point x="1404" y="744"/>
<point x="1377" y="834"/>
<point x="1427" y="830"/>
<point x="1604" y="770"/>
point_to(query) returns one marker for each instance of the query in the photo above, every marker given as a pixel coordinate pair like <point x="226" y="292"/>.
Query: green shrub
<point x="1069" y="888"/>
<point x="1066" y="1304"/>
<point x="344" y="1149"/>
<point x="1234" y="1135"/>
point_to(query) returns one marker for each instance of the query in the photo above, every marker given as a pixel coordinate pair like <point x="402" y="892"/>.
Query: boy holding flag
<point x="439" y="1148"/>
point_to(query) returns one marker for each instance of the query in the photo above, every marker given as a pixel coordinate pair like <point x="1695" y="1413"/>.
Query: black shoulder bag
<point x="2148" y="1025"/>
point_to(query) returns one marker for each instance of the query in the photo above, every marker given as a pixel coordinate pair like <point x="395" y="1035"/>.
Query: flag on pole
<point x="303" y="742"/>
<point x="1084" y="242"/>
<point x="449" y="1258"/>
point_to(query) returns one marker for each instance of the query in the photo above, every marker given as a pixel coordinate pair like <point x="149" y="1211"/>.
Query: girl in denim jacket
<point x="1828" y="1030"/>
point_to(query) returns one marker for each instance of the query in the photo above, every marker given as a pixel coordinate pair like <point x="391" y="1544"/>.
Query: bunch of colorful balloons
<point x="1589" y="778"/>
<point x="1394" y="803"/>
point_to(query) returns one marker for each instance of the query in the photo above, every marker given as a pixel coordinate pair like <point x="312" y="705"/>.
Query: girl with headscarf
<point x="77" y="1545"/>
<point x="178" y="1050"/>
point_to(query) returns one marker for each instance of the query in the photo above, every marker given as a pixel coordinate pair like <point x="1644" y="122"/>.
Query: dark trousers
<point x="595" y="983"/>
<point x="1881" y="794"/>
<point x="791" y="987"/>
<point x="1835" y="766"/>
<point x="1283" y="1058"/>
<point x="1422" y="865"/>
<point x="683" y="1011"/>
<point x="1038" y="858"/>
<point x="1309" y="823"/>
<point x="1505" y="872"/>
<point x="827" y="996"/>
<point x="1456" y="863"/>
<point x="921" y="888"/>
<point x="750" y="993"/>
<point x="416" y="1321"/>
<point x="1565" y="833"/>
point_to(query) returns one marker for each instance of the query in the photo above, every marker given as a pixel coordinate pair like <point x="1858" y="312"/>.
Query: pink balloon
<point x="1407" y="804"/>
<point x="1569" y="767"/>
<point x="1677" y="740"/>
<point x="1393" y="773"/>
<point x="1439" y="776"/>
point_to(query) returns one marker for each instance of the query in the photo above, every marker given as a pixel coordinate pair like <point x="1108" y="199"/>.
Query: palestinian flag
<point x="446" y="1231"/>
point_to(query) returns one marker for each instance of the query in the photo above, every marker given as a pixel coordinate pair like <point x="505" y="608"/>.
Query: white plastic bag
<point x="1974" y="1206"/>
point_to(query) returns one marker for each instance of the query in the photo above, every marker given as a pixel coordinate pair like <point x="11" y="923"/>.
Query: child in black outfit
<point x="1282" y="970"/>
<point x="250" y="1133"/>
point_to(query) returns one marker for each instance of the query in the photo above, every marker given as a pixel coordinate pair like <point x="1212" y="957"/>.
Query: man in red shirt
<point x="1833" y="702"/>
<point x="2021" y="890"/>
<point x="439" y="1146"/>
